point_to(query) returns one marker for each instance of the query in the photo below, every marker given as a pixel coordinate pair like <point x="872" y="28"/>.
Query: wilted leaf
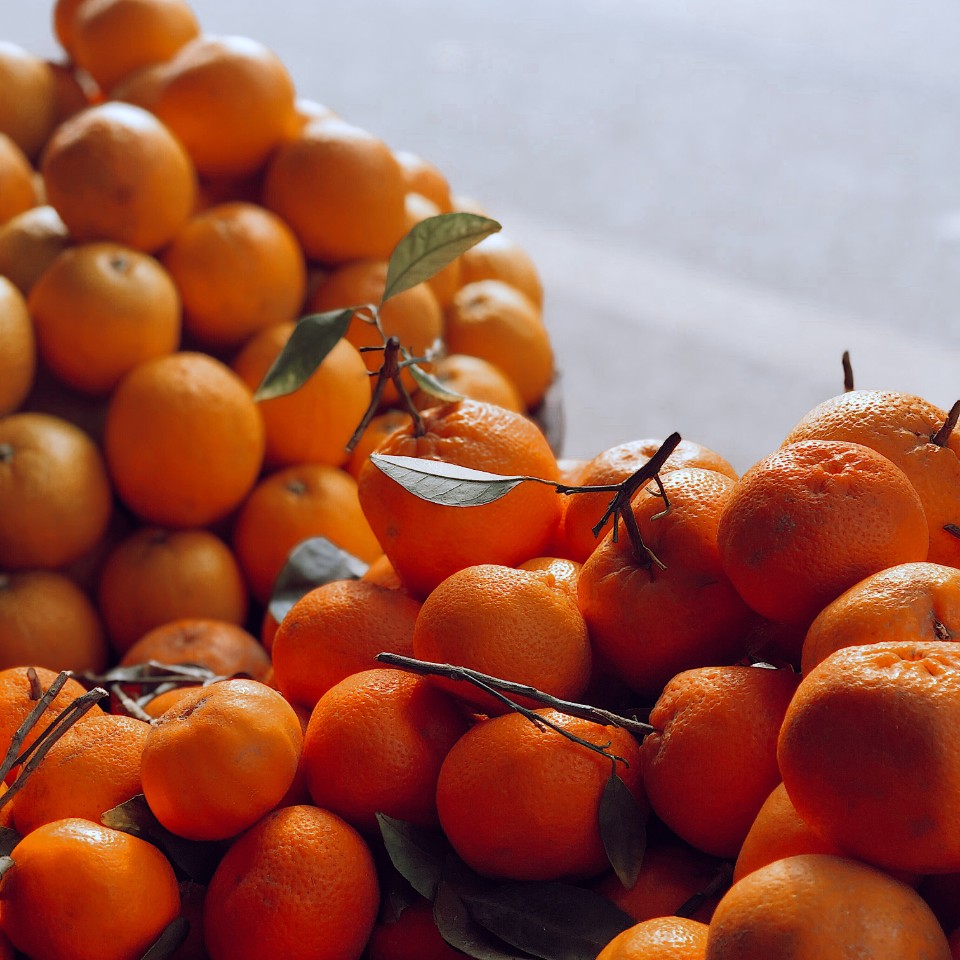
<point x="166" y="944"/>
<point x="417" y="854"/>
<point x="312" y="339"/>
<point x="448" y="484"/>
<point x="9" y="838"/>
<point x="311" y="563"/>
<point x="196" y="859"/>
<point x="462" y="932"/>
<point x="622" y="830"/>
<point x="431" y="245"/>
<point x="555" y="921"/>
<point x="430" y="384"/>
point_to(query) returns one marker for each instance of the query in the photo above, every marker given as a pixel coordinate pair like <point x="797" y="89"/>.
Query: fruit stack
<point x="310" y="647"/>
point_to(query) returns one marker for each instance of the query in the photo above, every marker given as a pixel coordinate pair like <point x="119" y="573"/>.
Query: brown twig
<point x="847" y="372"/>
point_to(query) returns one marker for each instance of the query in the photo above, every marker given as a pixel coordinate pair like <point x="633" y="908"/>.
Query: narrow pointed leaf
<point x="555" y="921"/>
<point x="167" y="943"/>
<point x="622" y="830"/>
<point x="417" y="854"/>
<point x="431" y="245"/>
<point x="448" y="484"/>
<point x="311" y="563"/>
<point x="456" y="926"/>
<point x="312" y="339"/>
<point x="430" y="384"/>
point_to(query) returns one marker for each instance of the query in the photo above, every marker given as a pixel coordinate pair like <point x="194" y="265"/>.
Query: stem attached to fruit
<point x="847" y="372"/>
<point x="942" y="436"/>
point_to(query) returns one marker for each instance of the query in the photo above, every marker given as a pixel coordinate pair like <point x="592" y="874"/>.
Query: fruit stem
<point x="493" y="684"/>
<point x="952" y="529"/>
<point x="717" y="885"/>
<point x="942" y="436"/>
<point x="847" y="372"/>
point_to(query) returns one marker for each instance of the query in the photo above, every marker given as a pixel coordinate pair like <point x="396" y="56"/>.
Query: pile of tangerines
<point x="632" y="707"/>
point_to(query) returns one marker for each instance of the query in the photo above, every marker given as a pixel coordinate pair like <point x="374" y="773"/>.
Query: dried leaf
<point x="9" y="838"/>
<point x="430" y="384"/>
<point x="431" y="245"/>
<point x="456" y="926"/>
<point x="554" y="921"/>
<point x="448" y="484"/>
<point x="417" y="854"/>
<point x="167" y="943"/>
<point x="311" y="563"/>
<point x="622" y="830"/>
<point x="312" y="339"/>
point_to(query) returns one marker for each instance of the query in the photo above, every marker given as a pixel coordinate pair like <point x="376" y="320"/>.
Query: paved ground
<point x="721" y="197"/>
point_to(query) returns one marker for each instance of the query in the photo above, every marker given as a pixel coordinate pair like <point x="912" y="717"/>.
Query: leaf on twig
<point x="312" y="339"/>
<point x="311" y="563"/>
<point x="458" y="928"/>
<point x="430" y="384"/>
<point x="431" y="245"/>
<point x="622" y="830"/>
<point x="448" y="484"/>
<point x="417" y="854"/>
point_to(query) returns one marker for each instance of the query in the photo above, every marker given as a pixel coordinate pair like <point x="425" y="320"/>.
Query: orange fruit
<point x="712" y="760"/>
<point x="291" y="505"/>
<point x="17" y="191"/>
<point x="811" y="519"/>
<point x="220" y="646"/>
<point x="413" y="316"/>
<point x="426" y="542"/>
<point x="29" y="243"/>
<point x="638" y="614"/>
<point x="314" y="423"/>
<point x="614" y="465"/>
<point x="115" y="172"/>
<point x="472" y="377"/>
<point x="498" y="323"/>
<point x="163" y="701"/>
<point x="823" y="906"/>
<point x="901" y="426"/>
<point x="381" y="572"/>
<point x="64" y="13"/>
<point x="18" y="348"/>
<point x="671" y="874"/>
<point x="341" y="190"/>
<point x="498" y="257"/>
<point x="519" y="801"/>
<point x="46" y="620"/>
<point x="99" y="310"/>
<point x="80" y="877"/>
<point x="73" y="89"/>
<point x="908" y="602"/>
<point x="239" y="269"/>
<point x="154" y="576"/>
<point x="306" y="111"/>
<point x="112" y="38"/>
<point x="413" y="935"/>
<point x="93" y="767"/>
<point x="28" y="98"/>
<point x="183" y="439"/>
<point x="777" y="832"/>
<point x="402" y="726"/>
<point x="229" y="100"/>
<point x="220" y="758"/>
<point x="662" y="938"/>
<point x="377" y="430"/>
<point x="422" y="177"/>
<point x="867" y="757"/>
<point x="318" y="876"/>
<point x="336" y="630"/>
<point x="55" y="499"/>
<point x="516" y="625"/>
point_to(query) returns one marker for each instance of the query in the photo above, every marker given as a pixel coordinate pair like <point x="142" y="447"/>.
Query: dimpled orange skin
<point x="82" y="891"/>
<point x="426" y="542"/>
<point x="815" y="906"/>
<point x="811" y="519"/>
<point x="220" y="758"/>
<point x="869" y="752"/>
<point x="300" y="884"/>
<point x="521" y="802"/>
<point x="661" y="938"/>
<point x="911" y="601"/>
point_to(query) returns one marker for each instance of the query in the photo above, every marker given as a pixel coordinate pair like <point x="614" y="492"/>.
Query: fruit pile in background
<point x="169" y="207"/>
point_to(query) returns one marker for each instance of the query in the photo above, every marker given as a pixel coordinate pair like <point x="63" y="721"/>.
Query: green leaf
<point x="312" y="339"/>
<point x="9" y="838"/>
<point x="417" y="854"/>
<point x="456" y="926"/>
<point x="555" y="921"/>
<point x="167" y="943"/>
<point x="311" y="563"/>
<point x="431" y="245"/>
<point x="448" y="484"/>
<point x="622" y="830"/>
<point x="430" y="384"/>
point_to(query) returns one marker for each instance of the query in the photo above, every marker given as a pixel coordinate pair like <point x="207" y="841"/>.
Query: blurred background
<point x="721" y="197"/>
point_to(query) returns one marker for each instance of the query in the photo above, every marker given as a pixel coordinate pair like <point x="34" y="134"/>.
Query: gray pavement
<point x="721" y="197"/>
